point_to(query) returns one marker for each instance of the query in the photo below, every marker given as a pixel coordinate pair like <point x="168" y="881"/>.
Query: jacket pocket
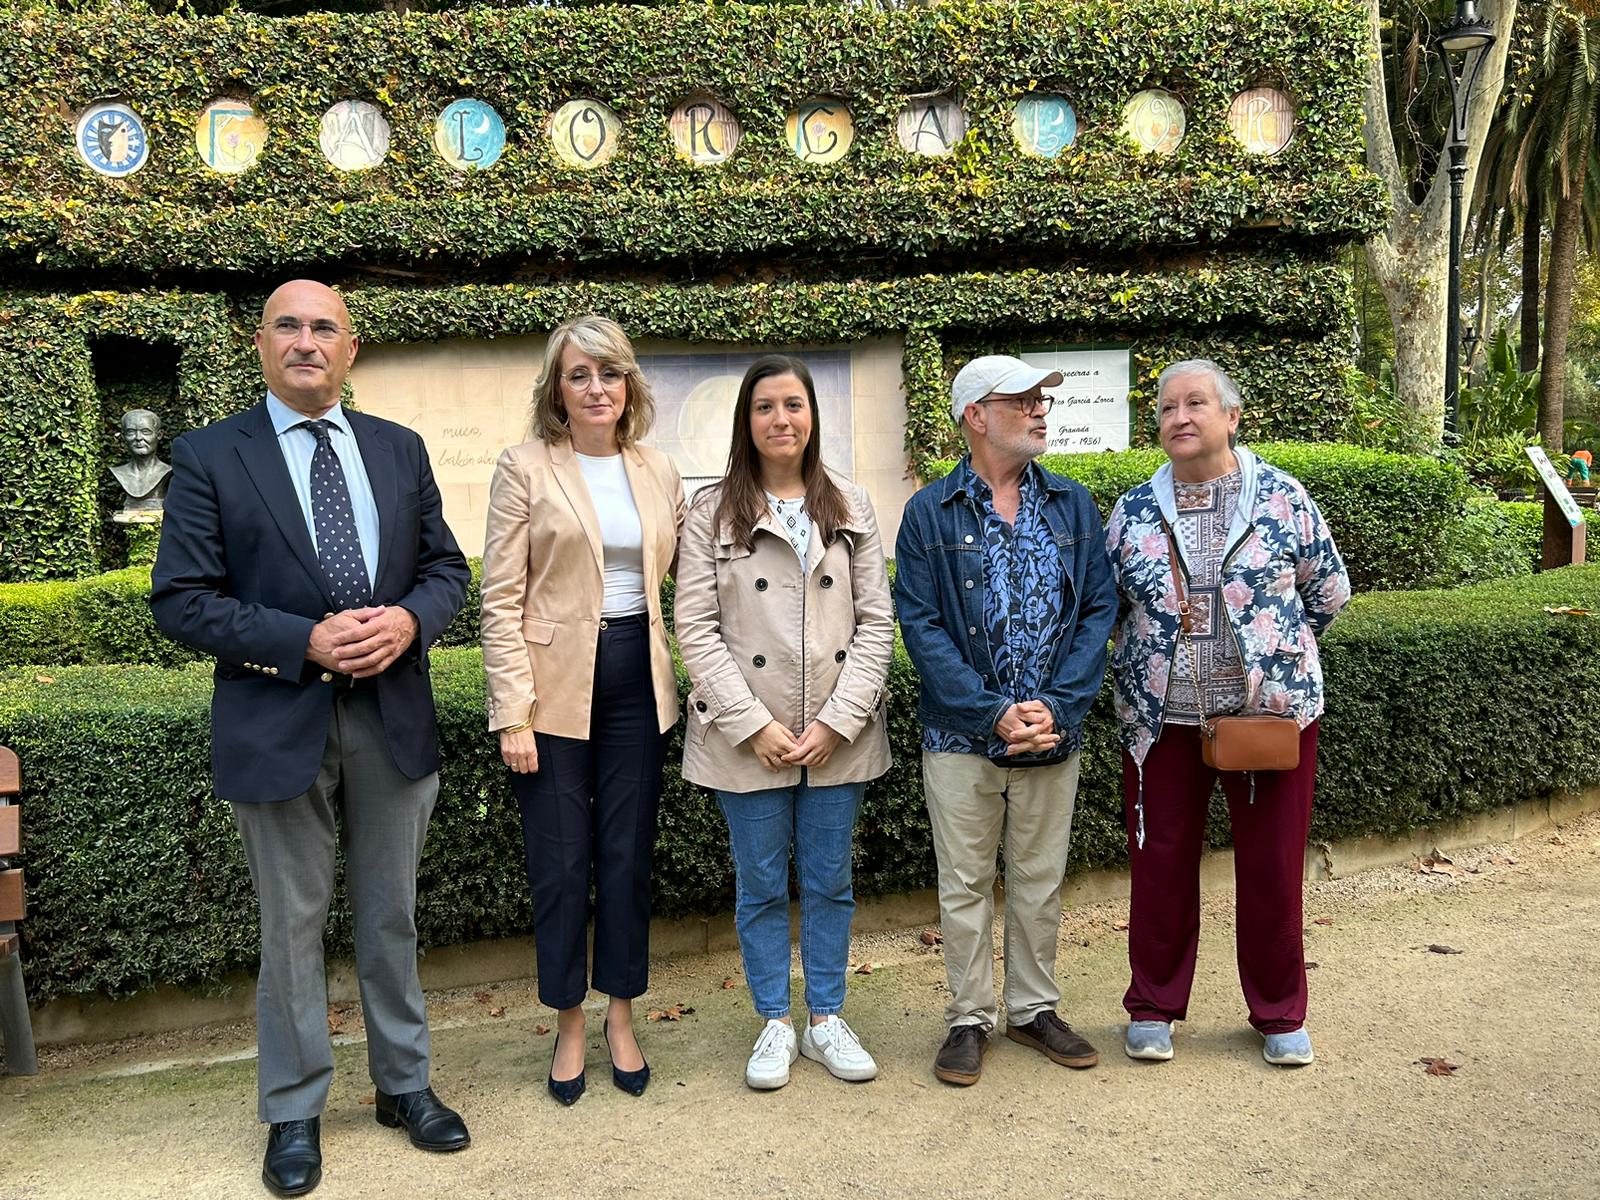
<point x="538" y="632"/>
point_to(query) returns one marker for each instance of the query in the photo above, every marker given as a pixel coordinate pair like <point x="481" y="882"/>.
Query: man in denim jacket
<point x="1005" y="603"/>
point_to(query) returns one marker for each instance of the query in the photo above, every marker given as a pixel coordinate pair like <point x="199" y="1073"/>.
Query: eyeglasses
<point x="321" y="330"/>
<point x="1025" y="404"/>
<point x="579" y="380"/>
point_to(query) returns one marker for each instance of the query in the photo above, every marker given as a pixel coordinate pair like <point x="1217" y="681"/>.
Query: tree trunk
<point x="1565" y="225"/>
<point x="1413" y="283"/>
<point x="1532" y="236"/>
<point x="1410" y="259"/>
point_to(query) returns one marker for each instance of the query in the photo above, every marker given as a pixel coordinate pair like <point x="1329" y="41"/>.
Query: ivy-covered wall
<point x="1207" y="250"/>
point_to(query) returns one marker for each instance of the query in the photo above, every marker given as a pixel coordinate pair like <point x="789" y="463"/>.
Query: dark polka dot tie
<point x="338" y="547"/>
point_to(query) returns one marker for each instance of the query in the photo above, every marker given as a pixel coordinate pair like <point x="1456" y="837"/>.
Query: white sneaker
<point x="768" y="1067"/>
<point x="835" y="1045"/>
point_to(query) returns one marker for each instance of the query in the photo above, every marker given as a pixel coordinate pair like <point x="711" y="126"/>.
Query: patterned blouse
<point x="1023" y="607"/>
<point x="1204" y="512"/>
<point x="793" y="522"/>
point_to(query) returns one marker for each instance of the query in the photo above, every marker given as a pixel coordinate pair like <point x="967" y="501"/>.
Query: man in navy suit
<point x="305" y="549"/>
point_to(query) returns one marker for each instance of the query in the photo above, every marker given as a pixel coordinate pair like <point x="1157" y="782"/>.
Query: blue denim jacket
<point x="939" y="594"/>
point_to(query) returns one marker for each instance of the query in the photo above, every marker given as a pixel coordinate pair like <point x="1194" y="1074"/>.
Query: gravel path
<point x="1514" y="1012"/>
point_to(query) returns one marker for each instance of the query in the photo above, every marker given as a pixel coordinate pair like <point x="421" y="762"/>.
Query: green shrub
<point x="101" y="619"/>
<point x="1440" y="704"/>
<point x="1391" y="514"/>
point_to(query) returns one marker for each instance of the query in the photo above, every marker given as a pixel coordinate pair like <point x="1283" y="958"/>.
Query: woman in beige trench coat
<point x="786" y="629"/>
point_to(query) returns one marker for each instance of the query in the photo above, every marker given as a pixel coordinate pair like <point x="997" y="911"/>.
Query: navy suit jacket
<point x="237" y="578"/>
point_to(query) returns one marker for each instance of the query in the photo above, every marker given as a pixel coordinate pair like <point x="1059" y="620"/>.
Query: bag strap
<point x="1186" y="623"/>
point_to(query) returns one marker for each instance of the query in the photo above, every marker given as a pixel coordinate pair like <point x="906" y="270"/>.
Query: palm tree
<point x="1542" y="160"/>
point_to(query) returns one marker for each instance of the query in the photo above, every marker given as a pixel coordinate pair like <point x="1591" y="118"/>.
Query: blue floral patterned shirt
<point x="1023" y="605"/>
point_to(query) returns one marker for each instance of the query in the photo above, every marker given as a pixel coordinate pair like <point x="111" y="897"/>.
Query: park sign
<point x="1555" y="486"/>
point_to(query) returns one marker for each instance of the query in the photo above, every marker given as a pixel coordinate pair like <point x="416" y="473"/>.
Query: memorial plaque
<point x="1155" y="120"/>
<point x="229" y="136"/>
<point x="585" y="133"/>
<point x="469" y="135"/>
<point x="704" y="131"/>
<point x="821" y="130"/>
<point x="931" y="125"/>
<point x="355" y="135"/>
<point x="1262" y="120"/>
<point x="1044" y="126"/>
<point x="111" y="138"/>
<point x="1091" y="402"/>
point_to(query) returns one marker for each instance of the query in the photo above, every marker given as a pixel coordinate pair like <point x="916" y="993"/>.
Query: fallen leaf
<point x="498" y="1010"/>
<point x="369" y="1099"/>
<point x="729" y="983"/>
<point x="482" y="997"/>
<point x="1311" y="966"/>
<point x="1556" y="841"/>
<point x="932" y="937"/>
<point x="1443" y="866"/>
<point x="1119" y="925"/>
<point x="1323" y="921"/>
<point x="675" y="1012"/>
<point x="1436" y="948"/>
<point x="540" y="1030"/>
<point x="44" y="678"/>
<point x="1500" y="860"/>
<point x="335" y="1022"/>
<point x="865" y="968"/>
<point x="1438" y="1066"/>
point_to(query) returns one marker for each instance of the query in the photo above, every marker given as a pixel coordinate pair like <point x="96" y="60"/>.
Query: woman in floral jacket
<point x="1263" y="579"/>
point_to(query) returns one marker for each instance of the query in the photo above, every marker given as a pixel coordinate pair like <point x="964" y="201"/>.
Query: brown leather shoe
<point x="960" y="1059"/>
<point x="1055" y="1039"/>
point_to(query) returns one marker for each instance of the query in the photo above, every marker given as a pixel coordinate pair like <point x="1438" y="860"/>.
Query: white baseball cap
<point x="996" y="375"/>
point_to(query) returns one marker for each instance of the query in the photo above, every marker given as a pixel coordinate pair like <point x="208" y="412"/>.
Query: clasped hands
<point x="1028" y="727"/>
<point x="777" y="748"/>
<point x="362" y="642"/>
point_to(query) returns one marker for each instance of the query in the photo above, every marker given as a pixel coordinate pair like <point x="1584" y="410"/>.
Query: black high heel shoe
<point x="632" y="1082"/>
<point x="565" y="1090"/>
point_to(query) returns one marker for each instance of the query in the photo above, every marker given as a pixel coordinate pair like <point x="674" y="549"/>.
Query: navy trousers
<point x="589" y="817"/>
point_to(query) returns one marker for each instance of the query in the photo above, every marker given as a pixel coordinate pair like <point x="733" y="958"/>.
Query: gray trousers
<point x="971" y="802"/>
<point x="382" y="822"/>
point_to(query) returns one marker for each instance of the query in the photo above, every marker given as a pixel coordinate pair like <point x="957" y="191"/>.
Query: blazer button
<point x="838" y="656"/>
<point x="761" y="585"/>
<point x="326" y="677"/>
<point x="827" y="581"/>
<point x="699" y="706"/>
<point x="760" y="660"/>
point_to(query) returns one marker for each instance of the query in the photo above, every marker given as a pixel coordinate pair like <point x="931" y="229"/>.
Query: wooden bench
<point x="16" y="1028"/>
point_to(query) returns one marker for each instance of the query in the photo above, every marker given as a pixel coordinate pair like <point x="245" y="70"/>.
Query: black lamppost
<point x="1463" y="43"/>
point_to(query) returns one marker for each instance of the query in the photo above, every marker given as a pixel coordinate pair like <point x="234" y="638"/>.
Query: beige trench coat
<point x="765" y="638"/>
<point x="544" y="580"/>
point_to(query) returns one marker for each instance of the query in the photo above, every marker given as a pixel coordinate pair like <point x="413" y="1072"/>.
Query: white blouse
<point x="621" y="535"/>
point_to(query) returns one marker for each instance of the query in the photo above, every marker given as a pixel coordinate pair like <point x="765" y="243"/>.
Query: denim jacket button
<point x="969" y="539"/>
<point x="968" y="584"/>
<point x="972" y="630"/>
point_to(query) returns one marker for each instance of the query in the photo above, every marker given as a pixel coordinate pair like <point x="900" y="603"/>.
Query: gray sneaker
<point x="1292" y="1049"/>
<point x="1149" y="1040"/>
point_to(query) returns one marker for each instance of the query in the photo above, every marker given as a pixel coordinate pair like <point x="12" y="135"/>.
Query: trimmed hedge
<point x="1441" y="704"/>
<point x="1393" y="515"/>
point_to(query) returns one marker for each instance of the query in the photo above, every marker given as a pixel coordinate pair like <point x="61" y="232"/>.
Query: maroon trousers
<point x="1269" y="841"/>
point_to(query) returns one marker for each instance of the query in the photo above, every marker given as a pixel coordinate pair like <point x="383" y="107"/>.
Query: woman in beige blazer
<point x="786" y="628"/>
<point x="583" y="525"/>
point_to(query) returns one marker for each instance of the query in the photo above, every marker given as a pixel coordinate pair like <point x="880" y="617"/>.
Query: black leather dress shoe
<point x="565" y="1090"/>
<point x="632" y="1082"/>
<point x="432" y="1124"/>
<point x="293" y="1165"/>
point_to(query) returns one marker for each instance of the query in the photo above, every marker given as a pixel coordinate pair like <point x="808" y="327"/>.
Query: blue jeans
<point x="820" y="823"/>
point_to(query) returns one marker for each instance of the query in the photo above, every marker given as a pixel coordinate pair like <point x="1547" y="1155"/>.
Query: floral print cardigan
<point x="1282" y="584"/>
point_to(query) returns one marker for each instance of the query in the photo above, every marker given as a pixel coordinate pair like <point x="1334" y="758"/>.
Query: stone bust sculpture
<point x="144" y="476"/>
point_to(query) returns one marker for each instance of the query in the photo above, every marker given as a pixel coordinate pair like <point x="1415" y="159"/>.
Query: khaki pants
<point x="971" y="802"/>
